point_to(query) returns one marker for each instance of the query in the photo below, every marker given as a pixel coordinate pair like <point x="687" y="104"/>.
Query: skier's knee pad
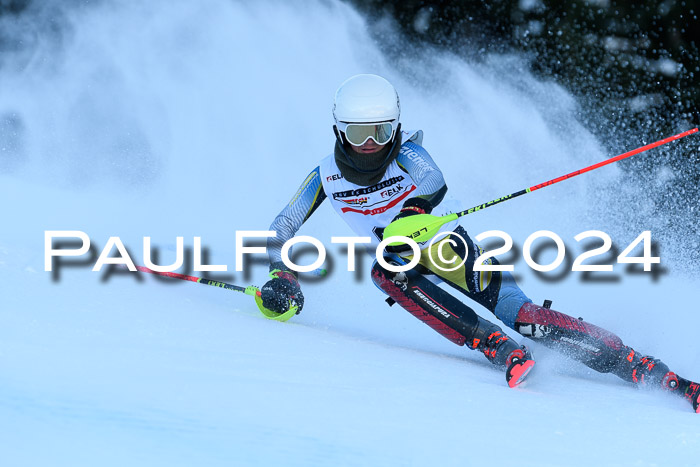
<point x="595" y="347"/>
<point x="380" y="274"/>
<point x="426" y="301"/>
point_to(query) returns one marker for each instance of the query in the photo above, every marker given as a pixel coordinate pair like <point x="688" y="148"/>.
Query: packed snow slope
<point x="177" y="118"/>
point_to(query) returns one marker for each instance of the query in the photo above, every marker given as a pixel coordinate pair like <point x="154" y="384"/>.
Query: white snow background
<point x="175" y="118"/>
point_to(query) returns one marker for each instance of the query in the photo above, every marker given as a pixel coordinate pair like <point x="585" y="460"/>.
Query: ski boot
<point x="648" y="371"/>
<point x="600" y="350"/>
<point x="503" y="352"/>
<point x="519" y="363"/>
<point x="690" y="391"/>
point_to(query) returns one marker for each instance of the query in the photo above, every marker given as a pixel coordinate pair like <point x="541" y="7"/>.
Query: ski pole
<point x="249" y="290"/>
<point x="422" y="227"/>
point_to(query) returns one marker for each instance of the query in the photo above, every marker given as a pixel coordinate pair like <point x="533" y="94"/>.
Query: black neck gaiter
<point x="372" y="166"/>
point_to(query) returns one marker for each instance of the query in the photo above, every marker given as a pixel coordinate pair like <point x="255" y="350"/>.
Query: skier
<point x="379" y="173"/>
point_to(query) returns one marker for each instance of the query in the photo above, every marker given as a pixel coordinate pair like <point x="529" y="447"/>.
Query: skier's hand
<point x="411" y="207"/>
<point x="282" y="291"/>
<point x="414" y="206"/>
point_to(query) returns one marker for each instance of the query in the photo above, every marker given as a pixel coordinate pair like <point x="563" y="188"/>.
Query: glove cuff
<point x="417" y="205"/>
<point x="279" y="269"/>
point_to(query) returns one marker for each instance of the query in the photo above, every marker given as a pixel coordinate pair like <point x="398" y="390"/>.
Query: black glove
<point x="414" y="206"/>
<point x="282" y="291"/>
<point x="411" y="207"/>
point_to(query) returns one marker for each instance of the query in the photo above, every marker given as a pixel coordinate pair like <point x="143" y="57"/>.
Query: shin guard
<point x="454" y="320"/>
<point x="428" y="302"/>
<point x="445" y="314"/>
<point x="593" y="346"/>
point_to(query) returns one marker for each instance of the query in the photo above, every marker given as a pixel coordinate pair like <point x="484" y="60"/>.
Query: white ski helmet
<point x="367" y="106"/>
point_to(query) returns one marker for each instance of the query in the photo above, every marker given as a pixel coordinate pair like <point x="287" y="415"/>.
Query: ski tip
<point x="517" y="373"/>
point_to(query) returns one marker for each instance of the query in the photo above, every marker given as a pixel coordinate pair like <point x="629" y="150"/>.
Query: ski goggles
<point x="357" y="134"/>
